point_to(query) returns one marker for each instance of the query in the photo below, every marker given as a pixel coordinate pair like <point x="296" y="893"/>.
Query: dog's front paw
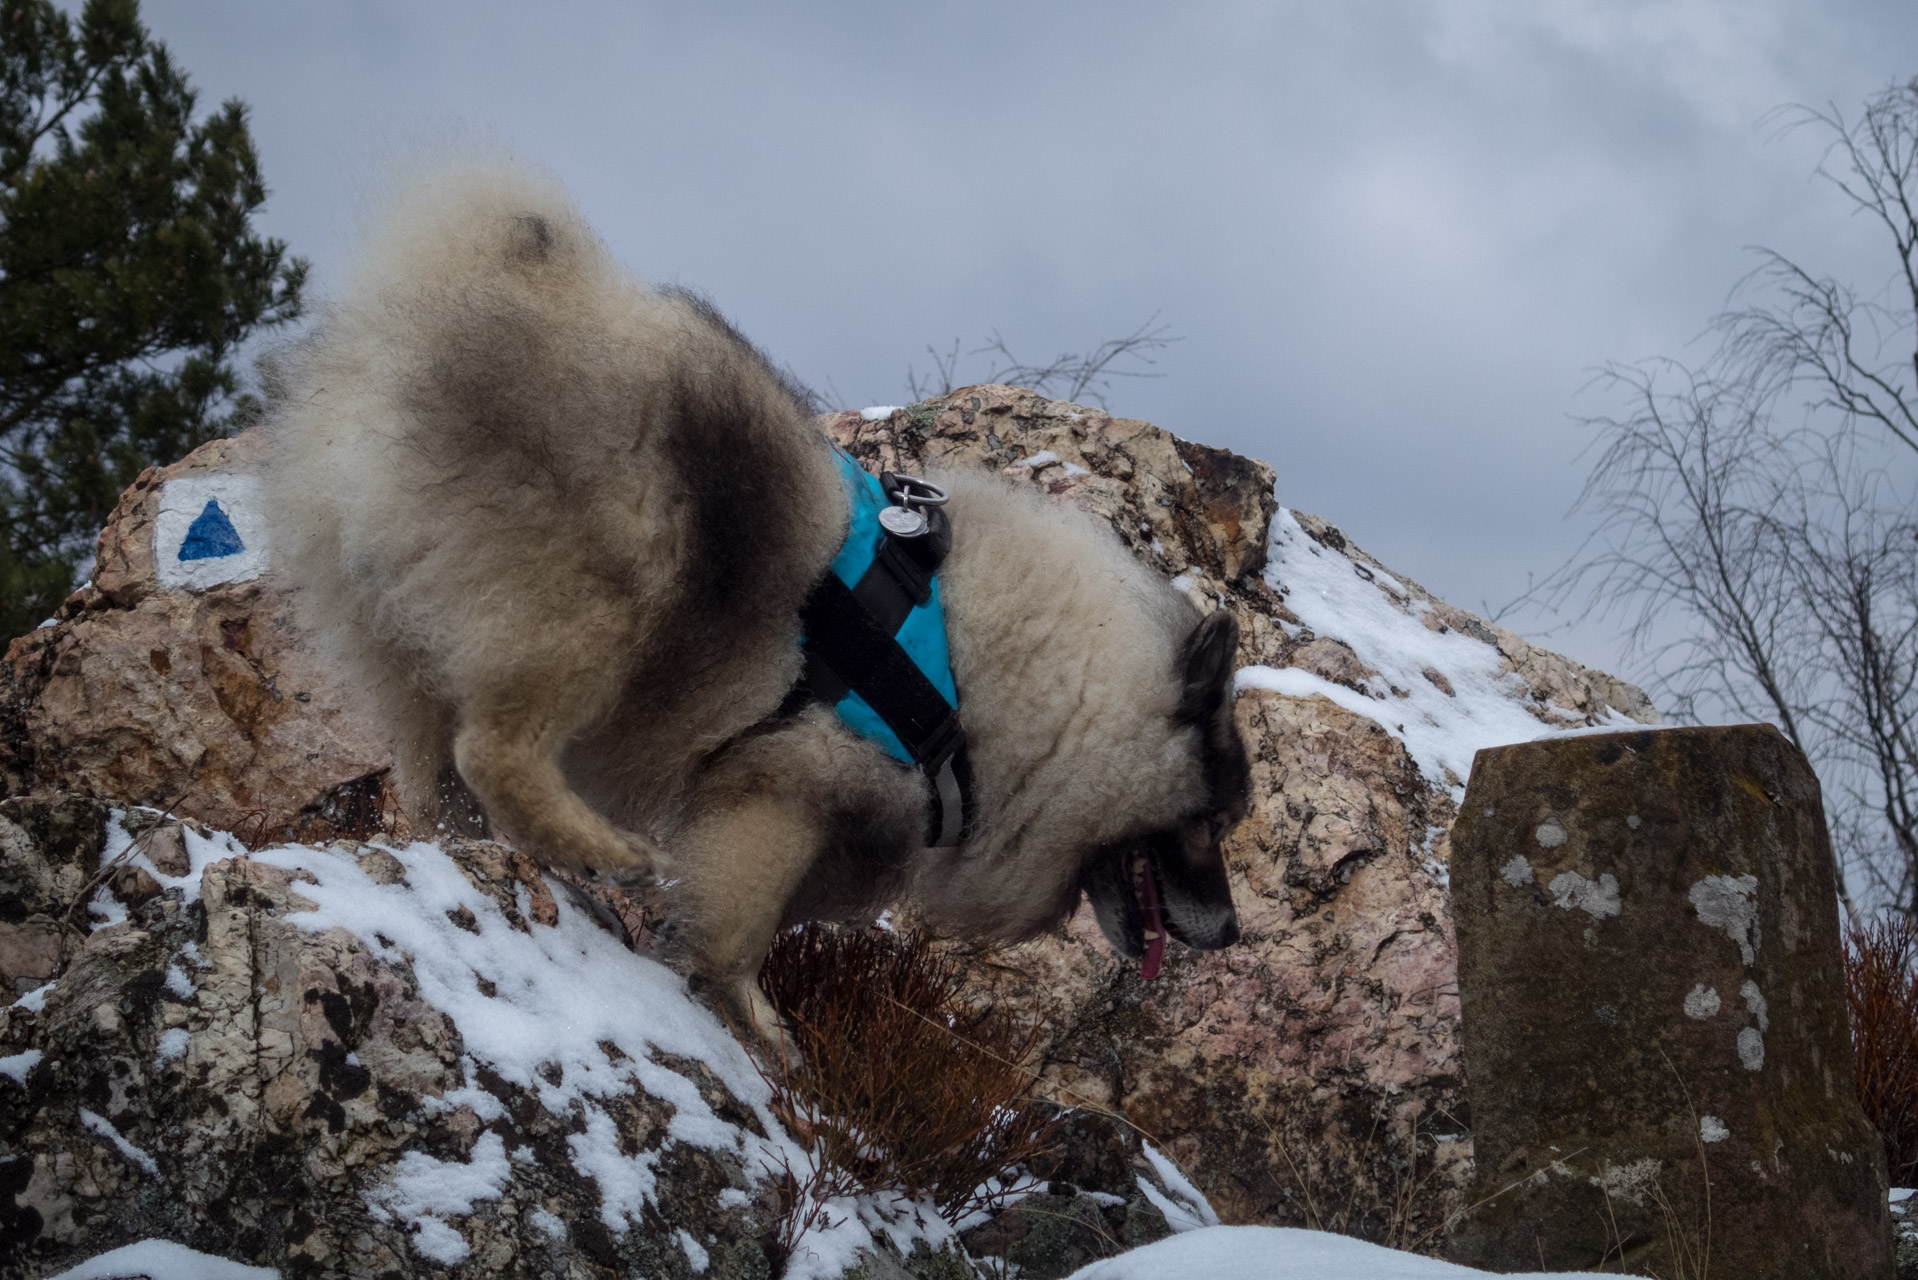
<point x="632" y="863"/>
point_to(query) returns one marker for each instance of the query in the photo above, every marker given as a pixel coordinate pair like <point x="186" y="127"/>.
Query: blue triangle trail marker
<point x="211" y="535"/>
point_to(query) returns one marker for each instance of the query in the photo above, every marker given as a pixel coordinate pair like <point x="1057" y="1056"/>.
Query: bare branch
<point x="1068" y="376"/>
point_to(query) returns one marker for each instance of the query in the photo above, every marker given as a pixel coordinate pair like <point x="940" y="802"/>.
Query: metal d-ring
<point x="911" y="492"/>
<point x="913" y="497"/>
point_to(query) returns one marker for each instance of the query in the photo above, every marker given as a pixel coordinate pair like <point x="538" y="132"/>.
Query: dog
<point x="559" y="531"/>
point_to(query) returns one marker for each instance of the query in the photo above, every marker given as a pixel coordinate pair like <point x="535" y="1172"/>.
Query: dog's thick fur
<point x="557" y="528"/>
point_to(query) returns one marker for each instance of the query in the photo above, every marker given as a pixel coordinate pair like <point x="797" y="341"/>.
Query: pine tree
<point x="129" y="277"/>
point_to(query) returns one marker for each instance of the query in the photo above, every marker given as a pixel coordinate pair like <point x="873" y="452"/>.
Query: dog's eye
<point x="1202" y="832"/>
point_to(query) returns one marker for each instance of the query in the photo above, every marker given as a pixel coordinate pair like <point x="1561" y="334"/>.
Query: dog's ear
<point x="1207" y="666"/>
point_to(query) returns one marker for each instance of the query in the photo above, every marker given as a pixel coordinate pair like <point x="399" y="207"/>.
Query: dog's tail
<point x="496" y="437"/>
<point x="476" y="387"/>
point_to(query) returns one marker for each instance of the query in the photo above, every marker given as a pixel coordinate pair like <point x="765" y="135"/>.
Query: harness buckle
<point x="913" y="499"/>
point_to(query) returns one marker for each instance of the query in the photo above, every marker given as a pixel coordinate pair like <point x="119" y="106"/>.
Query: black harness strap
<point x="851" y="647"/>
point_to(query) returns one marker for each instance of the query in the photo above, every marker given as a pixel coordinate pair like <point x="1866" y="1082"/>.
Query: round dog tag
<point x="901" y="522"/>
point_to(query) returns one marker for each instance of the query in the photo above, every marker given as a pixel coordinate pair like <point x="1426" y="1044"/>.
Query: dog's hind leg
<point x="743" y="864"/>
<point x="507" y="749"/>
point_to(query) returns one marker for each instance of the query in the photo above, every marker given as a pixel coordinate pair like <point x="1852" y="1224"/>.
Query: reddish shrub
<point x="1882" y="990"/>
<point x="896" y="1086"/>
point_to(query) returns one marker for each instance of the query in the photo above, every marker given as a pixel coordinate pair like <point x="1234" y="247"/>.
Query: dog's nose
<point x="1223" y="933"/>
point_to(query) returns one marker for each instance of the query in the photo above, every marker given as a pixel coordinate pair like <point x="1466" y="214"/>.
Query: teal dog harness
<point x="874" y="638"/>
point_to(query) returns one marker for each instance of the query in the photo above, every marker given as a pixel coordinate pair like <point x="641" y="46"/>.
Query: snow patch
<point x="879" y="412"/>
<point x="1278" y="1253"/>
<point x="104" y="1127"/>
<point x="576" y="1019"/>
<point x="201" y="850"/>
<point x="35" y="1001"/>
<point x="109" y="908"/>
<point x="172" y="1045"/>
<point x="423" y="1192"/>
<point x="1385" y="625"/>
<point x="1184" y="1207"/>
<point x="695" y="1254"/>
<point x="163" y="1260"/>
<point x="15" y="1068"/>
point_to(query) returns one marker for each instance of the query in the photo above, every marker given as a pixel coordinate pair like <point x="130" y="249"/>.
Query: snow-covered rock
<point x="575" y="1120"/>
<point x="356" y="1061"/>
<point x="1311" y="1074"/>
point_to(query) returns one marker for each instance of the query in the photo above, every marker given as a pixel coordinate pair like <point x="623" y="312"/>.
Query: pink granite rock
<point x="182" y="684"/>
<point x="1309" y="1075"/>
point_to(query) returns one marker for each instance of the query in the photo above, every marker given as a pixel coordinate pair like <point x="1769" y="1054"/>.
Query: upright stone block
<point x="1656" y="1048"/>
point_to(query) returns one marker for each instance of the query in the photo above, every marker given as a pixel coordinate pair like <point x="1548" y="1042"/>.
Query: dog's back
<point x="527" y="500"/>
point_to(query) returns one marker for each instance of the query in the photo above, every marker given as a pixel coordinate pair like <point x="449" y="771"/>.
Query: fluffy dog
<point x="558" y="529"/>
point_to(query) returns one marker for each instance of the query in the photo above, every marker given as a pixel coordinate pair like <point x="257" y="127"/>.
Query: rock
<point x="213" y="1071"/>
<point x="1100" y="1195"/>
<point x="1310" y="1075"/>
<point x="1649" y="956"/>
<point x="43" y="901"/>
<point x="184" y="685"/>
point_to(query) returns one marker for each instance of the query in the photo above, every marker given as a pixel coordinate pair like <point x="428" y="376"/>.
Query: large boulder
<point x="1307" y="1076"/>
<point x="1657" y="1106"/>
<point x="176" y="679"/>
<point x="352" y="1061"/>
<point x="1311" y="1074"/>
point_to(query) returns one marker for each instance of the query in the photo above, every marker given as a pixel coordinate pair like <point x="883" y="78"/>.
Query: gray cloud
<point x="1396" y="236"/>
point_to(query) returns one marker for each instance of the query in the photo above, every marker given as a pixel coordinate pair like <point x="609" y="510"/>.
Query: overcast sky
<point x="1396" y="238"/>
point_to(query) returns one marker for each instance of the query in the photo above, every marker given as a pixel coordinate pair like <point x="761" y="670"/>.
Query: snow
<point x="695" y="1252"/>
<point x="1276" y="1253"/>
<point x="561" y="993"/>
<point x="880" y="412"/>
<point x="163" y="1260"/>
<point x="35" y="1000"/>
<point x="104" y="1127"/>
<point x="1185" y="1208"/>
<point x="109" y="908"/>
<point x="172" y="1045"/>
<point x="1383" y="622"/>
<point x="201" y="850"/>
<point x="423" y="1192"/>
<point x="16" y="1067"/>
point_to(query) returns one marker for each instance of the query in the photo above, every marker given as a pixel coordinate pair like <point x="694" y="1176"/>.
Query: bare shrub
<point x="1067" y="376"/>
<point x="1882" y="991"/>
<point x="894" y="1085"/>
